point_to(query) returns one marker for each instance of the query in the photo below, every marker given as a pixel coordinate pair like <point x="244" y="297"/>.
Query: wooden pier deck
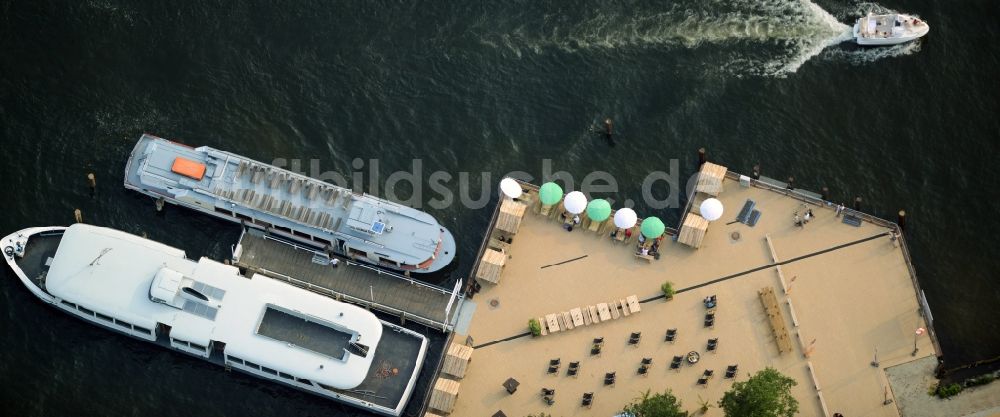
<point x="852" y="284"/>
<point x="351" y="282"/>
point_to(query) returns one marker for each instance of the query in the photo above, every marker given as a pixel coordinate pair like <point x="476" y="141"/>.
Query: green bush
<point x="767" y="393"/>
<point x="535" y="326"/>
<point x="949" y="390"/>
<point x="668" y="289"/>
<point x="655" y="405"/>
<point x="980" y="380"/>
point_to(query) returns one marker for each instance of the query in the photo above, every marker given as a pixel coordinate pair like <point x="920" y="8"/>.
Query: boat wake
<point x="744" y="37"/>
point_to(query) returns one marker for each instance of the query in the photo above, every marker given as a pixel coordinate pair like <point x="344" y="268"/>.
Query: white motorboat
<point x="888" y="29"/>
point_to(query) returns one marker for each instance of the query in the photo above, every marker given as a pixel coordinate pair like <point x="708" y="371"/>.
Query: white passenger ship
<point x="235" y="188"/>
<point x="204" y="308"/>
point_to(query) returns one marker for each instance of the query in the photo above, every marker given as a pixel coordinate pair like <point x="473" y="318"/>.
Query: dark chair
<point x="731" y="371"/>
<point x="671" y="335"/>
<point x="595" y="351"/>
<point x="574" y="369"/>
<point x="549" y="400"/>
<point x="599" y="341"/>
<point x="710" y="302"/>
<point x="708" y="373"/>
<point x="609" y="378"/>
<point x="635" y="338"/>
<point x="676" y="363"/>
<point x="643" y="370"/>
<point x="554" y="365"/>
<point x="647" y="361"/>
<point x="710" y="320"/>
<point x="548" y="392"/>
<point x="588" y="399"/>
<point x="713" y="344"/>
<point x="703" y="382"/>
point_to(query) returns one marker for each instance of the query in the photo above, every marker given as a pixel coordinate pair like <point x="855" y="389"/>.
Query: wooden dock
<point x="352" y="282"/>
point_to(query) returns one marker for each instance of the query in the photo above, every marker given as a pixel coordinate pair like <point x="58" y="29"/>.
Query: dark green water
<point x="478" y="87"/>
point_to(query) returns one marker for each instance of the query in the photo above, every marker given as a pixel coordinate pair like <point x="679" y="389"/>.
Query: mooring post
<point x="857" y="203"/>
<point x="755" y="174"/>
<point x="791" y="183"/>
<point x="902" y="220"/>
<point x="702" y="158"/>
<point x="608" y="128"/>
<point x="78" y="215"/>
<point x="825" y="194"/>
<point x="92" y="183"/>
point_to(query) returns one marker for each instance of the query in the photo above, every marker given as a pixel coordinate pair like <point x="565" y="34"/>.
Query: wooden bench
<point x="776" y="319"/>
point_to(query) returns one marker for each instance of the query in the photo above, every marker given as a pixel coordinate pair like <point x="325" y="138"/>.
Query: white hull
<point x="213" y="356"/>
<point x="884" y="30"/>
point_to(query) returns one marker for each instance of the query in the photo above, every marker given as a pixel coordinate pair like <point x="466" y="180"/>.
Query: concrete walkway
<point x="911" y="381"/>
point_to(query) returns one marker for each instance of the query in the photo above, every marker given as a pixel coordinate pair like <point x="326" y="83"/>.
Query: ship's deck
<point x="310" y="335"/>
<point x="358" y="284"/>
<point x="38" y="253"/>
<point x="396" y="351"/>
<point x="846" y="291"/>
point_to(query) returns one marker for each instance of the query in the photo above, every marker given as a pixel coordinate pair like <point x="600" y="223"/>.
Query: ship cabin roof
<point x="276" y="325"/>
<point x="212" y="179"/>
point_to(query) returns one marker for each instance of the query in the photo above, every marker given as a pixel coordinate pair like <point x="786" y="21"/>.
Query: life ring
<point x="9" y="251"/>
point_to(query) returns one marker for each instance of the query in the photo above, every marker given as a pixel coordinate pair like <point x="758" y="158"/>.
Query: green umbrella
<point x="550" y="193"/>
<point x="652" y="227"/>
<point x="598" y="210"/>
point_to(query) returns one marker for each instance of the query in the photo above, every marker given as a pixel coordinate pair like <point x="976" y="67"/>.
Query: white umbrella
<point x="625" y="218"/>
<point x="711" y="209"/>
<point x="575" y="202"/>
<point x="510" y="187"/>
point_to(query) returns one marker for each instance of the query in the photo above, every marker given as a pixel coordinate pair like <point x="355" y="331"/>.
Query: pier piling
<point x="901" y="221"/>
<point x="78" y="215"/>
<point x="755" y="174"/>
<point x="91" y="183"/>
<point x="702" y="158"/>
<point x="791" y="183"/>
<point x="825" y="194"/>
<point x="857" y="203"/>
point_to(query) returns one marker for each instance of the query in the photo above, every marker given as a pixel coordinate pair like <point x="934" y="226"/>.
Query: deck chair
<point x="609" y="378"/>
<point x="554" y="365"/>
<point x="547" y="392"/>
<point x="713" y="344"/>
<point x="588" y="399"/>
<point x="708" y="373"/>
<point x="643" y="370"/>
<point x="703" y="382"/>
<point x="675" y="363"/>
<point x="549" y="400"/>
<point x="574" y="369"/>
<point x="710" y="320"/>
<point x="635" y="338"/>
<point x="731" y="371"/>
<point x="671" y="335"/>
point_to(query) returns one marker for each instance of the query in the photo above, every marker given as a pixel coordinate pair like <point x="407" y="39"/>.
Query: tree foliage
<point x="768" y="393"/>
<point x="656" y="405"/>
